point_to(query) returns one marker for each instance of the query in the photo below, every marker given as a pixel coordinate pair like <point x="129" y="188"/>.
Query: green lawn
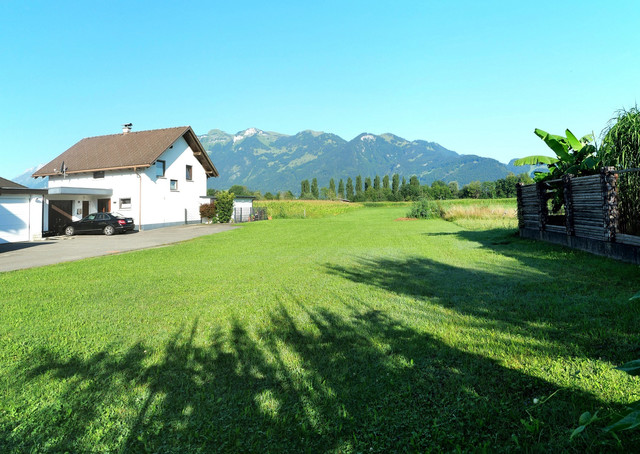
<point x="350" y="333"/>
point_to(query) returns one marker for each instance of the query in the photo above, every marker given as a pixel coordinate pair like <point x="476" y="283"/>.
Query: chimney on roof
<point x="126" y="129"/>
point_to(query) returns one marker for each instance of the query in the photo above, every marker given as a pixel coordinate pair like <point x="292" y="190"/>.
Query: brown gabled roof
<point x="125" y="151"/>
<point x="4" y="183"/>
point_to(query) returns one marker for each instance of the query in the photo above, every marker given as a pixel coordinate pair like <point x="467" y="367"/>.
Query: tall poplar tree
<point x="376" y="183"/>
<point x="358" y="184"/>
<point x="350" y="193"/>
<point x="395" y="184"/>
<point x="341" y="189"/>
<point x="385" y="182"/>
<point x="314" y="188"/>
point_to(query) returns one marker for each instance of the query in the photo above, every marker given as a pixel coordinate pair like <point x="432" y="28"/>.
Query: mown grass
<point x="300" y="209"/>
<point x="351" y="333"/>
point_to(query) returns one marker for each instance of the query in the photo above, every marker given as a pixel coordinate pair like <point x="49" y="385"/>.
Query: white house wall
<point x="160" y="206"/>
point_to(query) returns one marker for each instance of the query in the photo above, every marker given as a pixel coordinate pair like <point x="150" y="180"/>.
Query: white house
<point x="21" y="212"/>
<point x="156" y="177"/>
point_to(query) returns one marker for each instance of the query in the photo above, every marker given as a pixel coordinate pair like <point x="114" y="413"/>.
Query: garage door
<point x="14" y="219"/>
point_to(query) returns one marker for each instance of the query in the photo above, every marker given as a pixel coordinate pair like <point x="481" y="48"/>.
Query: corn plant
<point x="621" y="148"/>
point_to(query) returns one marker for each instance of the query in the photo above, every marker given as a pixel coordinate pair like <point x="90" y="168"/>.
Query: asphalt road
<point x="58" y="249"/>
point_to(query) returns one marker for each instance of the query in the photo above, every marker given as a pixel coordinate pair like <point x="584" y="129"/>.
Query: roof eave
<point x="71" y="172"/>
<point x="200" y="153"/>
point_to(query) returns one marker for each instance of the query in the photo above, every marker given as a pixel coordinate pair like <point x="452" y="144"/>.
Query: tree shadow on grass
<point x="310" y="380"/>
<point x="541" y="295"/>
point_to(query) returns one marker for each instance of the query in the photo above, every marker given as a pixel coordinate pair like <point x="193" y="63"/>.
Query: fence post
<point x="568" y="204"/>
<point x="520" y="206"/>
<point x="543" y="211"/>
<point x="609" y="180"/>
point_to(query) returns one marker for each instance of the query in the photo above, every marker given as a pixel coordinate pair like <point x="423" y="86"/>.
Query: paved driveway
<point x="15" y="256"/>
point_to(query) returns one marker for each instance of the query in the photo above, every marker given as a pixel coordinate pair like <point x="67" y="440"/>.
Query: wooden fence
<point x="588" y="219"/>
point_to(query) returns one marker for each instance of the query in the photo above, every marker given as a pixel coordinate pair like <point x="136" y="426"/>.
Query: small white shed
<point x="242" y="206"/>
<point x="21" y="211"/>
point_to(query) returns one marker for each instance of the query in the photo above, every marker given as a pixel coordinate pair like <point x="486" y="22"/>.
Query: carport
<point x="68" y="204"/>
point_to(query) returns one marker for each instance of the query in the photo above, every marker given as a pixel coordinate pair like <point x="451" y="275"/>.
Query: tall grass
<point x="299" y="209"/>
<point x="477" y="214"/>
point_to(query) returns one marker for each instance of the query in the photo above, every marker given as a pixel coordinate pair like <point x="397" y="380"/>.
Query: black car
<point x="107" y="223"/>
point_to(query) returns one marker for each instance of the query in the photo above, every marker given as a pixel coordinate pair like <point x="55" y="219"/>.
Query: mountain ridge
<point x="270" y="161"/>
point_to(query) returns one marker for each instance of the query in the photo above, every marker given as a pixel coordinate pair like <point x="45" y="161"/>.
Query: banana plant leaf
<point x="573" y="141"/>
<point x="557" y="143"/>
<point x="587" y="138"/>
<point x="534" y="160"/>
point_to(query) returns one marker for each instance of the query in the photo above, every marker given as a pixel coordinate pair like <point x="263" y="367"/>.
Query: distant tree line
<point x="393" y="189"/>
<point x="397" y="189"/>
<point x="239" y="190"/>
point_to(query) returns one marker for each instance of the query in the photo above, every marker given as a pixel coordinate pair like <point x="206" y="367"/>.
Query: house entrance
<point x="59" y="214"/>
<point x="104" y="205"/>
<point x="85" y="208"/>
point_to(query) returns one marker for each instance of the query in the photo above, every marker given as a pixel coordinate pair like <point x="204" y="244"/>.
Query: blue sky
<point x="476" y="77"/>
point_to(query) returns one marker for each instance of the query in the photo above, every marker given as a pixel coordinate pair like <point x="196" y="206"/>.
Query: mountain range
<point x="271" y="161"/>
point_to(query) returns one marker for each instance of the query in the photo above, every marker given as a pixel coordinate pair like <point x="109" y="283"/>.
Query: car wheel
<point x="69" y="231"/>
<point x="109" y="230"/>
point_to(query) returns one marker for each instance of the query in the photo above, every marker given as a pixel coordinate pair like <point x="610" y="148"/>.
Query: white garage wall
<point x="20" y="217"/>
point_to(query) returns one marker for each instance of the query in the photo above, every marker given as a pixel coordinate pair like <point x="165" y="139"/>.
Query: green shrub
<point x="424" y="209"/>
<point x="208" y="210"/>
<point x="224" y="206"/>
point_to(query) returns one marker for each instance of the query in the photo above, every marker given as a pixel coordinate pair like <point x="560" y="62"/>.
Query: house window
<point x="159" y="168"/>
<point x="174" y="185"/>
<point x="125" y="204"/>
<point x="98" y="174"/>
<point x="189" y="173"/>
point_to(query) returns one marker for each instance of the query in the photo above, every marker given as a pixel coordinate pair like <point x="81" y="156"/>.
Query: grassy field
<point x="350" y="333"/>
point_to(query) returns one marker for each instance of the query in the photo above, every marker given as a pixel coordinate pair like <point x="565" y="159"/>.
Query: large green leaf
<point x="544" y="135"/>
<point x="573" y="142"/>
<point x="587" y="138"/>
<point x="590" y="163"/>
<point x="632" y="367"/>
<point x="534" y="160"/>
<point x="635" y="297"/>
<point x="634" y="406"/>
<point x="631" y="421"/>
